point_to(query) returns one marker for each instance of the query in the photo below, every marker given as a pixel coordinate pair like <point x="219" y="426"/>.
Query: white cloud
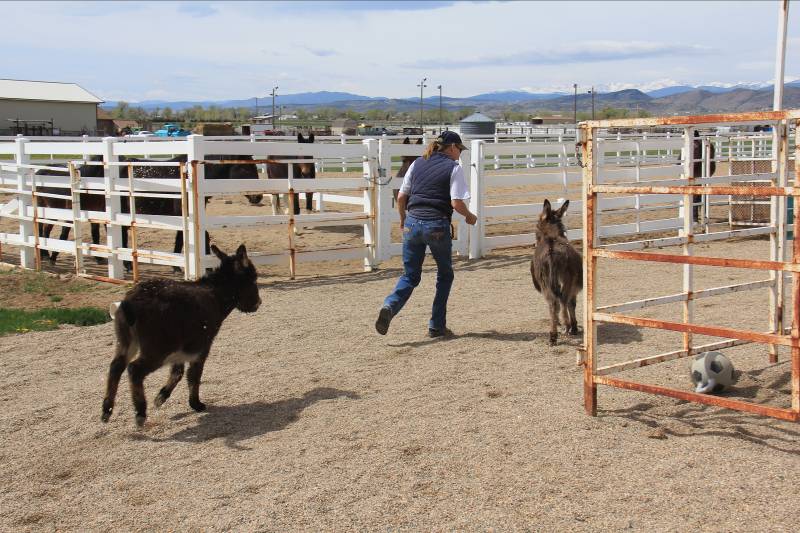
<point x="565" y="54"/>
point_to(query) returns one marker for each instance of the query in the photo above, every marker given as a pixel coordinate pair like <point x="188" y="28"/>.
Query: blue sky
<point x="229" y="50"/>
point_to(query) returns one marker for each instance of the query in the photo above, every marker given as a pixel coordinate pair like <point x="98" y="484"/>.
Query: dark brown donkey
<point x="299" y="171"/>
<point x="174" y="322"/>
<point x="557" y="269"/>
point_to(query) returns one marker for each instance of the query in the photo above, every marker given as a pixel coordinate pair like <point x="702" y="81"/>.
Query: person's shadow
<point x="237" y="423"/>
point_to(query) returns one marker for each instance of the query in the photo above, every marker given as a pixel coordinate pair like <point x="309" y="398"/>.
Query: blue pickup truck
<point x="172" y="130"/>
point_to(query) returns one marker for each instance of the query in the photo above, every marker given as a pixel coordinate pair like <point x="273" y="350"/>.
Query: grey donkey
<point x="557" y="269"/>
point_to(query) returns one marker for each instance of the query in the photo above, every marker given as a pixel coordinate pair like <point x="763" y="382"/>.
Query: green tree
<point x="121" y="110"/>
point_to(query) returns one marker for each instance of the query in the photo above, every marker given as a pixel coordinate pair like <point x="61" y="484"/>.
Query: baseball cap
<point x="451" y="137"/>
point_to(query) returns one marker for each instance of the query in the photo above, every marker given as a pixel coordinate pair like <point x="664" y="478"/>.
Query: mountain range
<point x="667" y="100"/>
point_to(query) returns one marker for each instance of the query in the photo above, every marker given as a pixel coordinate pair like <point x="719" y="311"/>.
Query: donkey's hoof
<point x="160" y="399"/>
<point x="105" y="416"/>
<point x="198" y="406"/>
<point x="140" y="421"/>
<point x="553" y="339"/>
<point x="573" y="331"/>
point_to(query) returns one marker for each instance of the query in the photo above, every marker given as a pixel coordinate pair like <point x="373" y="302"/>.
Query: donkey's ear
<point x="300" y="138"/>
<point x="546" y="209"/>
<point x="219" y="253"/>
<point x="419" y="141"/>
<point x="241" y="253"/>
<point x="562" y="209"/>
<point x="406" y="141"/>
<point x="310" y="138"/>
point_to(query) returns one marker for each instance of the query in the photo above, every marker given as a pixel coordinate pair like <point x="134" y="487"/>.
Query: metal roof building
<point x="46" y="108"/>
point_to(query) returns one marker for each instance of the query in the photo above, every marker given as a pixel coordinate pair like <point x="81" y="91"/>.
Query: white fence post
<point x="194" y="243"/>
<point x="26" y="254"/>
<point x="497" y="157"/>
<point x="113" y="229"/>
<point x="343" y="140"/>
<point x="476" y="232"/>
<point x="372" y="204"/>
<point x="461" y="244"/>
<point x="688" y="169"/>
<point x="384" y="207"/>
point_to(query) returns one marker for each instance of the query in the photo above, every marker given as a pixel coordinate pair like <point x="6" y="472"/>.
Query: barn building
<point x="46" y="108"/>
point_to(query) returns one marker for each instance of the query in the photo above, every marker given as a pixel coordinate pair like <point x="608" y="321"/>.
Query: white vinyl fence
<point x="508" y="178"/>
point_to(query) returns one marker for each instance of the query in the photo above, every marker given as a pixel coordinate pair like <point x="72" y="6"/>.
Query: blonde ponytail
<point x="433" y="147"/>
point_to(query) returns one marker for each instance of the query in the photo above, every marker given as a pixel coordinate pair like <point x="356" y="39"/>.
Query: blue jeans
<point x="417" y="235"/>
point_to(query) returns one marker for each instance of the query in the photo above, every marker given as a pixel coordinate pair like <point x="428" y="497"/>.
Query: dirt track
<point x="315" y="422"/>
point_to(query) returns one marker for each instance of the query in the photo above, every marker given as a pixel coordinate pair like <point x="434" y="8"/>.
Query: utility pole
<point x="592" y="93"/>
<point x="441" y="121"/>
<point x="421" y="87"/>
<point x="256" y="105"/>
<point x="575" y="106"/>
<point x="273" y="107"/>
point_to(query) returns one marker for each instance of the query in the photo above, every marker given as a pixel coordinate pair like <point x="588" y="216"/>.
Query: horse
<point x="406" y="163"/>
<point x="299" y="171"/>
<point x="557" y="269"/>
<point x="89" y="202"/>
<point x="172" y="206"/>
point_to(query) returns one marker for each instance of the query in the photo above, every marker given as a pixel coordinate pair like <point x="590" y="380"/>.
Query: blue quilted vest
<point x="430" y="187"/>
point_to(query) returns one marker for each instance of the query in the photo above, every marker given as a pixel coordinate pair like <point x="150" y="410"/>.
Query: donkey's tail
<point x="552" y="272"/>
<point x="554" y="282"/>
<point x="126" y="310"/>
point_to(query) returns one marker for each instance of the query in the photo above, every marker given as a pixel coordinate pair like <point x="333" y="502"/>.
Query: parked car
<point x="142" y="133"/>
<point x="172" y="130"/>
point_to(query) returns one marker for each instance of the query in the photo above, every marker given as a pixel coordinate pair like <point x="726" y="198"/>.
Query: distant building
<point x="109" y="126"/>
<point x="554" y="119"/>
<point x="46" y="108"/>
<point x="348" y="126"/>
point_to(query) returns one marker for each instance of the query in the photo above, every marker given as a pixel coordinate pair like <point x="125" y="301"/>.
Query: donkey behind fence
<point x="172" y="206"/>
<point x="299" y="171"/>
<point x="557" y="269"/>
<point x="89" y="202"/>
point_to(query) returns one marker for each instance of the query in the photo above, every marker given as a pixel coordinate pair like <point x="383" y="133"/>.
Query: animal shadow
<point x="608" y="333"/>
<point x="686" y="419"/>
<point x="237" y="423"/>
<point x="525" y="336"/>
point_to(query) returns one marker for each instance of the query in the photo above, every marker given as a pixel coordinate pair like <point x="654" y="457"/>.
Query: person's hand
<point x="471" y="219"/>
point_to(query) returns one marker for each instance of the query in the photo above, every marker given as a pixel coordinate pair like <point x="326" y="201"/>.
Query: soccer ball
<point x="711" y="372"/>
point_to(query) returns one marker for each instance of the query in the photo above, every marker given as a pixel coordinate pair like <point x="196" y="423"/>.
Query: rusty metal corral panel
<point x="764" y="192"/>
<point x="737" y="118"/>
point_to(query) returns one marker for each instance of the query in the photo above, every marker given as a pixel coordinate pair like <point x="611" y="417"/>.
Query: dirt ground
<point x="315" y="422"/>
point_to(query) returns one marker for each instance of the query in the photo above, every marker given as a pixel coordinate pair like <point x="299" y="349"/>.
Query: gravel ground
<point x="315" y="422"/>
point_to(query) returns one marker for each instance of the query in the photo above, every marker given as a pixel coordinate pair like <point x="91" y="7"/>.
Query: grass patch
<point x="22" y="321"/>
